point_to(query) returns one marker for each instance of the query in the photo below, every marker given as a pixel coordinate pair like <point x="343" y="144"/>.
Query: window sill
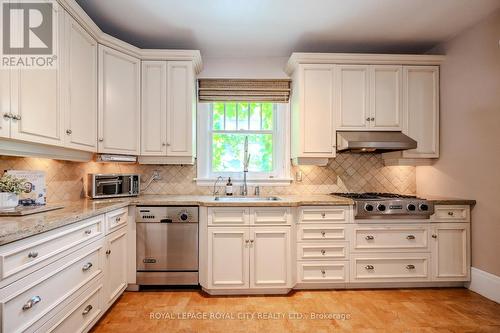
<point x="250" y="182"/>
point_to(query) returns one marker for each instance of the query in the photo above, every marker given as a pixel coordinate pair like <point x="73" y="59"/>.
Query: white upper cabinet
<point x="386" y="105"/>
<point x="421" y="110"/>
<point x="181" y="107"/>
<point x="369" y="97"/>
<point x="119" y="102"/>
<point x="352" y="96"/>
<point x="81" y="88"/>
<point x="313" y="129"/>
<point x="154" y="108"/>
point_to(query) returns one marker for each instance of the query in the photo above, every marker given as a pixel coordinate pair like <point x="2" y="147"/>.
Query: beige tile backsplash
<point x="346" y="173"/>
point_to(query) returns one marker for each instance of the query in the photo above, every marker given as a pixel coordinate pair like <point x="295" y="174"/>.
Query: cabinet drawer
<point x="317" y="232"/>
<point x="228" y="216"/>
<point x="323" y="251"/>
<point x="116" y="219"/>
<point x="80" y="314"/>
<point x="322" y="271"/>
<point x="29" y="301"/>
<point x="270" y="216"/>
<point x="33" y="253"/>
<point x="389" y="238"/>
<point x="390" y="267"/>
<point x="323" y="215"/>
<point x="451" y="214"/>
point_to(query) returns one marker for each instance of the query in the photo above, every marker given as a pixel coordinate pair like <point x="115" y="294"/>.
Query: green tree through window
<point x="231" y="123"/>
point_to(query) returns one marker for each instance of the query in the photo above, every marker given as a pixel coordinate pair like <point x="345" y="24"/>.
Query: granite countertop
<point x="437" y="200"/>
<point x="19" y="227"/>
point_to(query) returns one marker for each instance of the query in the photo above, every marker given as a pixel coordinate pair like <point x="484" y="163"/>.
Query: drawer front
<point x="451" y="214"/>
<point x="228" y="216"/>
<point x="116" y="219"/>
<point x="31" y="302"/>
<point x="270" y="216"/>
<point x="322" y="251"/>
<point x="394" y="267"/>
<point x="321" y="232"/>
<point x="80" y="314"/>
<point x="323" y="215"/>
<point x="390" y="238"/>
<point x="32" y="254"/>
<point x="322" y="271"/>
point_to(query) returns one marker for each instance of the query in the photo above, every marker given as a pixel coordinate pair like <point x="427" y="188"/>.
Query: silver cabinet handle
<point x="87" y="266"/>
<point x="68" y="131"/>
<point x="32" y="301"/>
<point x="410" y="266"/>
<point x="450" y="213"/>
<point x="323" y="252"/>
<point x="369" y="237"/>
<point x="32" y="254"/>
<point x="7" y="115"/>
<point x="118" y="219"/>
<point x="87" y="309"/>
<point x="434" y="236"/>
<point x="88" y="232"/>
<point x="409" y="237"/>
<point x="323" y="233"/>
<point x="108" y="252"/>
<point x="369" y="267"/>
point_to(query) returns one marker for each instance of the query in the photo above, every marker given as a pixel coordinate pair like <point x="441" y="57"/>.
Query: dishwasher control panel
<point x="167" y="214"/>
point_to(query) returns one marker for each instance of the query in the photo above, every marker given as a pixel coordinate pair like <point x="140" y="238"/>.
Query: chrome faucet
<point x="246" y="162"/>
<point x="216" y="190"/>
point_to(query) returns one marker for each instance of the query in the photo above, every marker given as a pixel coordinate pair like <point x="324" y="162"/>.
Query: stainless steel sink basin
<point x="246" y="199"/>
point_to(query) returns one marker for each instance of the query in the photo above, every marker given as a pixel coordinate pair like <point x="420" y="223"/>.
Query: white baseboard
<point x="485" y="284"/>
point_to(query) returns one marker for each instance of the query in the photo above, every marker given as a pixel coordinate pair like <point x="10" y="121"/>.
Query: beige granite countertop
<point x="19" y="227"/>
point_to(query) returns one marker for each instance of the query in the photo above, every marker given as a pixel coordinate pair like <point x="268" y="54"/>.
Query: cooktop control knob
<point x="369" y="207"/>
<point x="381" y="207"/>
<point x="423" y="207"/>
<point x="411" y="207"/>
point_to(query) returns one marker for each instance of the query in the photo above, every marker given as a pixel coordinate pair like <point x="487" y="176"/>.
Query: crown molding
<point x="298" y="58"/>
<point x="72" y="7"/>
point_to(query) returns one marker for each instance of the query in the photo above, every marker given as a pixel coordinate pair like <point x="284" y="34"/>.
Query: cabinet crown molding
<point x="298" y="58"/>
<point x="144" y="54"/>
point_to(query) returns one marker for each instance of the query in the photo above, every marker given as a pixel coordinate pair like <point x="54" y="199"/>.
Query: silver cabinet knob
<point x="32" y="254"/>
<point x="87" y="309"/>
<point x="163" y="144"/>
<point x="247" y="241"/>
<point x="323" y="233"/>
<point x="372" y="119"/>
<point x="7" y="115"/>
<point x="118" y="219"/>
<point x="323" y="272"/>
<point x="108" y="252"/>
<point x="410" y="266"/>
<point x="87" y="266"/>
<point x="88" y="232"/>
<point x="251" y="241"/>
<point x="434" y="236"/>
<point x="168" y="144"/>
<point x="31" y="302"/>
<point x="369" y="237"/>
<point x="368" y="119"/>
<point x="410" y="237"/>
<point x="450" y="213"/>
<point x="101" y="139"/>
<point x="323" y="252"/>
<point x="369" y="267"/>
<point x="16" y="117"/>
<point x="68" y="131"/>
<point x="323" y="215"/>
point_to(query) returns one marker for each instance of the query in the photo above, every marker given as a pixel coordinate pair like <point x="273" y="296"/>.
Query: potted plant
<point x="10" y="188"/>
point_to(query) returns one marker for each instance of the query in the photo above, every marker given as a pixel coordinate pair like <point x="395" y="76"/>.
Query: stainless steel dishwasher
<point x="167" y="245"/>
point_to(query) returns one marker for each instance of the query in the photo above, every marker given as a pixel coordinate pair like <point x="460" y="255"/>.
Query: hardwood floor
<point x="400" y="310"/>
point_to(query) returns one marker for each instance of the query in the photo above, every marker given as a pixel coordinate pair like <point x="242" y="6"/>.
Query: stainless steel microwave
<point x="113" y="185"/>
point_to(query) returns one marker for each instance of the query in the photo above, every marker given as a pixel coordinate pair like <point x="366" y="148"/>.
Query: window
<point x="224" y="127"/>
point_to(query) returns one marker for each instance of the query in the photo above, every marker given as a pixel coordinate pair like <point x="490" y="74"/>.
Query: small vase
<point x="8" y="200"/>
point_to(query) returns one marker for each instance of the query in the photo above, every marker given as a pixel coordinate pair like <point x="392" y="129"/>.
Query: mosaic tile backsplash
<point x="345" y="173"/>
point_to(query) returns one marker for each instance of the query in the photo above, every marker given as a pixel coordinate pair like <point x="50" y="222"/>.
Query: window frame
<point x="281" y="149"/>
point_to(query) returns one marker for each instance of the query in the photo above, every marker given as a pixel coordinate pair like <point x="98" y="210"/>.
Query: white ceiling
<point x="254" y="28"/>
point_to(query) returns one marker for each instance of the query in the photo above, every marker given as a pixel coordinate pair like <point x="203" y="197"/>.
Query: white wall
<point x="244" y="68"/>
<point x="469" y="166"/>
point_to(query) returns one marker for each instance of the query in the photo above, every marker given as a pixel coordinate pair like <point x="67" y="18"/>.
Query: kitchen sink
<point x="246" y="199"/>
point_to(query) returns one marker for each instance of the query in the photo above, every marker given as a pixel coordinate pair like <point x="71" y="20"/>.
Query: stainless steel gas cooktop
<point x="389" y="205"/>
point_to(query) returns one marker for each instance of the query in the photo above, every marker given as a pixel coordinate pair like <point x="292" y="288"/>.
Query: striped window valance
<point x="244" y="90"/>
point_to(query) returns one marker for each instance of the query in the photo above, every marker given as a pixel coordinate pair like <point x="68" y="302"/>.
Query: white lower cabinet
<point x="322" y="272"/>
<point x="116" y="265"/>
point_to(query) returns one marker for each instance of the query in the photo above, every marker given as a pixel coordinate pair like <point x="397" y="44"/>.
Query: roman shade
<point x="244" y="90"/>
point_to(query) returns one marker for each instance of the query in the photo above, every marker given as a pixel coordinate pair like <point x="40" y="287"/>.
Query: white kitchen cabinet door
<point x="270" y="257"/>
<point x="119" y="102"/>
<point x="421" y="110"/>
<point x="116" y="265"/>
<point x="81" y="88"/>
<point x="352" y="97"/>
<point x="5" y="103"/>
<point x="450" y="251"/>
<point x="181" y="107"/>
<point x="386" y="108"/>
<point x="313" y="121"/>
<point x="154" y="108"/>
<point x="228" y="258"/>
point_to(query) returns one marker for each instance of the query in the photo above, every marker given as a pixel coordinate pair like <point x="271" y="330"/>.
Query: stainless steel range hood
<point x="373" y="142"/>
